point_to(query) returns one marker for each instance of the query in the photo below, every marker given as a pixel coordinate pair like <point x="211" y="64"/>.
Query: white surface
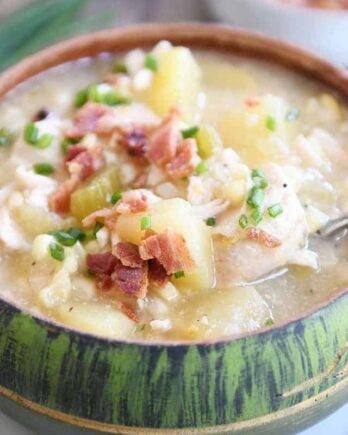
<point x="325" y="32"/>
<point x="336" y="424"/>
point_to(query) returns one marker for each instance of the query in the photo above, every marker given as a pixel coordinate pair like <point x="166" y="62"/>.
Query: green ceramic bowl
<point x="277" y="381"/>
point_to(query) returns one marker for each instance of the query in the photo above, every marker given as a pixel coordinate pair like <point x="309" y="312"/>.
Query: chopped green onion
<point x="179" y="274"/>
<point x="98" y="226"/>
<point x="256" y="197"/>
<point x="256" y="216"/>
<point x="259" y="179"/>
<point x="271" y="123"/>
<point x="120" y="67"/>
<point x="116" y="196"/>
<point x="269" y="322"/>
<point x="145" y="223"/>
<point x="151" y="62"/>
<point x="64" y="238"/>
<point x="292" y="114"/>
<point x="243" y="221"/>
<point x="77" y="233"/>
<point x="190" y="132"/>
<point x="31" y="133"/>
<point x="92" y="234"/>
<point x="56" y="251"/>
<point x="44" y="141"/>
<point x="81" y="98"/>
<point x="6" y="138"/>
<point x="43" y="168"/>
<point x="275" y="210"/>
<point x="201" y="167"/>
<point x="94" y="94"/>
<point x="113" y="99"/>
<point x="66" y="143"/>
<point x="211" y="221"/>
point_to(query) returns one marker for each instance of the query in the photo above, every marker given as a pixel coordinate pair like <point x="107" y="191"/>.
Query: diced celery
<point x="208" y="140"/>
<point x="94" y="194"/>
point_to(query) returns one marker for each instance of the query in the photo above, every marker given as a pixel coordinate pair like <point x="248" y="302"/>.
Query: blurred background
<point x="28" y="25"/>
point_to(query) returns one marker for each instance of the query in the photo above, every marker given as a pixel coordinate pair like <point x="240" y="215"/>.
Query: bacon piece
<point x="157" y="273"/>
<point x="81" y="164"/>
<point x="113" y="275"/>
<point x="107" y="213"/>
<point x="59" y="201"/>
<point x="163" y="142"/>
<point x="132" y="281"/>
<point x="128" y="254"/>
<point x="86" y="119"/>
<point x="252" y="101"/>
<point x="185" y="160"/>
<point x="86" y="163"/>
<point x="128" y="311"/>
<point x="73" y="151"/>
<point x="133" y="201"/>
<point x="169" y="249"/>
<point x="101" y="263"/>
<point x="261" y="236"/>
<point x="140" y="181"/>
<point x="135" y="142"/>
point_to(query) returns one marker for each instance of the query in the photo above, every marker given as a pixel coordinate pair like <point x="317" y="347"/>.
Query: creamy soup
<point x="171" y="195"/>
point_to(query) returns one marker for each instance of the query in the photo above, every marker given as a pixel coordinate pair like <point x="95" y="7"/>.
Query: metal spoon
<point x="336" y="229"/>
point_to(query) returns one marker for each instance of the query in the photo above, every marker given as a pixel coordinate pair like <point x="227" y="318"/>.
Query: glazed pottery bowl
<point x="276" y="381"/>
<point x="321" y="30"/>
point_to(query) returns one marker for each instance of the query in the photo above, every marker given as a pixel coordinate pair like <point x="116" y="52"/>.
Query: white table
<point x="336" y="424"/>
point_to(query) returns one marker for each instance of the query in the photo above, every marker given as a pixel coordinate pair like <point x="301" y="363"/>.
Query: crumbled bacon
<point x="167" y="148"/>
<point x="169" y="249"/>
<point x="132" y="281"/>
<point x="101" y="263"/>
<point x="185" y="159"/>
<point x="133" y="201"/>
<point x="252" y="101"/>
<point x="73" y="151"/>
<point x="59" y="201"/>
<point x="86" y="162"/>
<point x="81" y="164"/>
<point x="128" y="311"/>
<point x="140" y="181"/>
<point x="261" y="236"/>
<point x="113" y="275"/>
<point x="134" y="141"/>
<point x="163" y="142"/>
<point x="157" y="273"/>
<point x="128" y="254"/>
<point x="86" y="119"/>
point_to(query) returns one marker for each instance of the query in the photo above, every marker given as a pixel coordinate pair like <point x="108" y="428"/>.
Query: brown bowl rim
<point x="208" y="37"/>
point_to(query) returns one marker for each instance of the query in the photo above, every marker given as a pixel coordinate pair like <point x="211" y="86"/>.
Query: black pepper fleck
<point x="40" y="115"/>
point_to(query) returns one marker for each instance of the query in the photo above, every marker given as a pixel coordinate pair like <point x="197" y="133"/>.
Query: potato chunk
<point x="176" y="215"/>
<point x="259" y="132"/>
<point x="222" y="313"/>
<point x="177" y="81"/>
<point x="96" y="318"/>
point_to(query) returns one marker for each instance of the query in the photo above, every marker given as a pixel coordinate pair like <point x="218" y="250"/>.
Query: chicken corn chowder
<point x="146" y="196"/>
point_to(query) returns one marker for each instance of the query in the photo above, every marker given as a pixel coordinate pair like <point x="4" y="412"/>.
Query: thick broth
<point x="310" y="147"/>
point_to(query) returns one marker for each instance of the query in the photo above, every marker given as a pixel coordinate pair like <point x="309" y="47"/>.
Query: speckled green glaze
<point x="255" y="381"/>
<point x="173" y="386"/>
